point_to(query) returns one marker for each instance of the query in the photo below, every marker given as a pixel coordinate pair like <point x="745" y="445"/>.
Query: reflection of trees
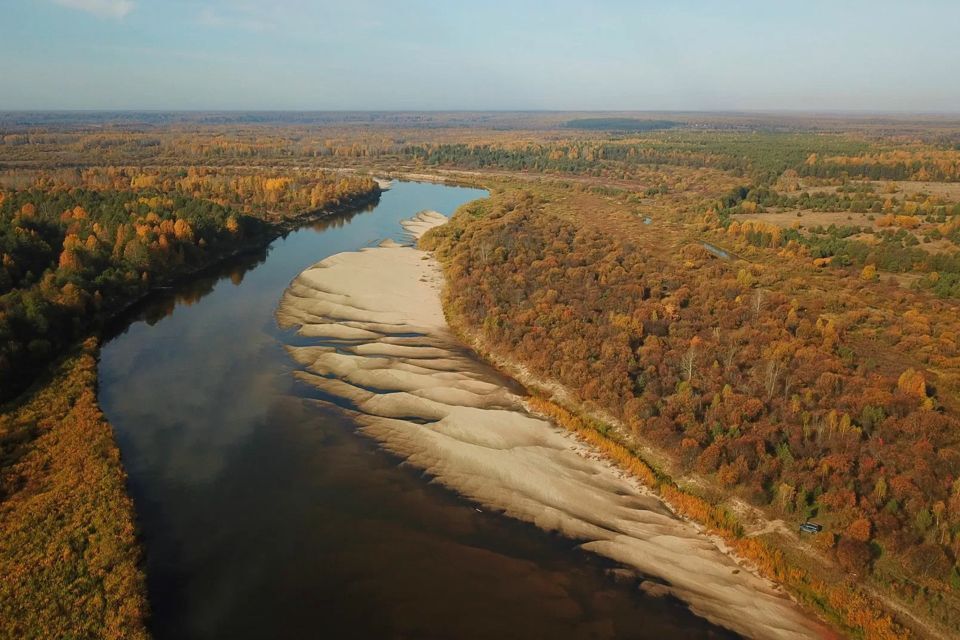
<point x="162" y="303"/>
<point x="235" y="269"/>
<point x="163" y="307"/>
<point x="337" y="220"/>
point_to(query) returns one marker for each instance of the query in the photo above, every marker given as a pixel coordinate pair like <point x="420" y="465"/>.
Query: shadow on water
<point x="264" y="515"/>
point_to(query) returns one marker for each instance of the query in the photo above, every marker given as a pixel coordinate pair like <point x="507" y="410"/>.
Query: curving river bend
<point x="266" y="516"/>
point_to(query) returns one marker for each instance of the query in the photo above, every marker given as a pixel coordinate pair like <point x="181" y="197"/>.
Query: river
<point x="264" y="515"/>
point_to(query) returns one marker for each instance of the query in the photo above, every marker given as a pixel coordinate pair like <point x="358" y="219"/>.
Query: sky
<point x="822" y="55"/>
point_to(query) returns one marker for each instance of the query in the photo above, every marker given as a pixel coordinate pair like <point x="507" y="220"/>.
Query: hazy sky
<point x="481" y="54"/>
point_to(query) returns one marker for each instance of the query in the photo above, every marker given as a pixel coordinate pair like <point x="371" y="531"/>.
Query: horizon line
<point x="748" y="111"/>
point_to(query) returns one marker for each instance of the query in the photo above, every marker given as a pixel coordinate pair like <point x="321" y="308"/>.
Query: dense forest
<point x="77" y="248"/>
<point x="777" y="393"/>
<point x="755" y="149"/>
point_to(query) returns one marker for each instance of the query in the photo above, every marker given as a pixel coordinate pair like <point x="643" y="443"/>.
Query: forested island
<point x="752" y="315"/>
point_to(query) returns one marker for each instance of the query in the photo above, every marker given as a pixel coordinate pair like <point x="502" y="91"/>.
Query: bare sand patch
<point x="407" y="382"/>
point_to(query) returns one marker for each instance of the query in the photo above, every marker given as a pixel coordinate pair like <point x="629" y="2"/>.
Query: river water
<point x="266" y="516"/>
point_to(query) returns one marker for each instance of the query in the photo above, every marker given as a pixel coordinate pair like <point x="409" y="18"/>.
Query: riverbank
<point x="69" y="555"/>
<point x="276" y="228"/>
<point x="69" y="549"/>
<point x="405" y="378"/>
<point x="584" y="329"/>
<point x="836" y="599"/>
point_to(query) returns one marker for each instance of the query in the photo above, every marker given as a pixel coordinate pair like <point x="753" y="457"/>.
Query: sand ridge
<point x="385" y="355"/>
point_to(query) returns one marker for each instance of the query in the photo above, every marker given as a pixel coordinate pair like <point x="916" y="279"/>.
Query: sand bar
<point x="384" y="352"/>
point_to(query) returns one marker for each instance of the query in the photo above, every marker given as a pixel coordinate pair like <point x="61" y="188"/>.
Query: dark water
<point x="264" y="516"/>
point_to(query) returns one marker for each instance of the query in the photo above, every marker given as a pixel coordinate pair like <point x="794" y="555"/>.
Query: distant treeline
<point x="760" y="157"/>
<point x="620" y="124"/>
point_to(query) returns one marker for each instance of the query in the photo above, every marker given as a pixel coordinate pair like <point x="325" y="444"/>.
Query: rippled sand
<point x="385" y="354"/>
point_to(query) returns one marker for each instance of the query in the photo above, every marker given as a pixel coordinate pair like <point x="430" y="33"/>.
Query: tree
<point x="859" y="530"/>
<point x="853" y="555"/>
<point x="688" y="363"/>
<point x="69" y="260"/>
<point x="911" y="382"/>
<point x="136" y="254"/>
<point x="183" y="231"/>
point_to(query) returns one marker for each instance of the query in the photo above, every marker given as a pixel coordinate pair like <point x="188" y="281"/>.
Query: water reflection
<point x="264" y="516"/>
<point x="162" y="302"/>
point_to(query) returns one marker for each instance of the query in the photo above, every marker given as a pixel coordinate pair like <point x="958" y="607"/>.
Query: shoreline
<point x="101" y="325"/>
<point x="555" y="396"/>
<point x="258" y="243"/>
<point x="63" y="435"/>
<point x="390" y="355"/>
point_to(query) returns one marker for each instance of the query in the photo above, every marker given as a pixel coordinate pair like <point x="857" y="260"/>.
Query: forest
<point x="742" y="373"/>
<point x="756" y="316"/>
<point x="76" y="247"/>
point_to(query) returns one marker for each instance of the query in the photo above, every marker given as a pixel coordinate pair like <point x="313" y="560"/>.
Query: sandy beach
<point x="385" y="352"/>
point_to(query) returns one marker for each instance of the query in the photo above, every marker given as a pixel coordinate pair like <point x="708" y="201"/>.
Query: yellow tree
<point x="912" y="383"/>
<point x="182" y="230"/>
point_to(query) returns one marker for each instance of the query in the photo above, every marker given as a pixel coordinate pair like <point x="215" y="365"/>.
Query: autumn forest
<point x="753" y="316"/>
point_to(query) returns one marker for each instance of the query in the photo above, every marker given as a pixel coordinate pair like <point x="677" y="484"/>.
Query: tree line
<point x="71" y="256"/>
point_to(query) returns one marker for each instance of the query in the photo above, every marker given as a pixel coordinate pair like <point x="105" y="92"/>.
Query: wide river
<point x="264" y="515"/>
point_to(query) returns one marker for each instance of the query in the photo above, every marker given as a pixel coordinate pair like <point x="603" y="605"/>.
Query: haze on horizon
<point x="498" y="55"/>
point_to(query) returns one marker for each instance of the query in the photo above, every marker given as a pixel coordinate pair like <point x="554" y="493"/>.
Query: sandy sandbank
<point x="385" y="351"/>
